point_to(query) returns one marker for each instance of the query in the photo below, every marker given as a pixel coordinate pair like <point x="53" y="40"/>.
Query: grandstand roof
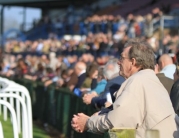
<point x="50" y="4"/>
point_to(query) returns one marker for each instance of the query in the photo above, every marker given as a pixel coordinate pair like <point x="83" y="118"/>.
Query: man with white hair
<point x="111" y="73"/>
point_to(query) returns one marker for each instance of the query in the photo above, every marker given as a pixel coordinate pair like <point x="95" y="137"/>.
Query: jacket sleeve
<point x="99" y="124"/>
<point x="98" y="102"/>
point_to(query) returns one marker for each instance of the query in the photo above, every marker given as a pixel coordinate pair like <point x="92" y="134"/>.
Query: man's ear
<point x="133" y="61"/>
<point x="161" y="65"/>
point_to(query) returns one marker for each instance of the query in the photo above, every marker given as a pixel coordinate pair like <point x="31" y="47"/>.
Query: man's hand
<point x="87" y="98"/>
<point x="79" y="121"/>
<point x="107" y="104"/>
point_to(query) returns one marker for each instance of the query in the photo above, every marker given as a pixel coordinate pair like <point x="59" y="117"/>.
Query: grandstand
<point x="60" y="21"/>
<point x="44" y="58"/>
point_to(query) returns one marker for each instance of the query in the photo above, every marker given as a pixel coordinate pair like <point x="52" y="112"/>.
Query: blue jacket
<point x="112" y="86"/>
<point x="100" y="86"/>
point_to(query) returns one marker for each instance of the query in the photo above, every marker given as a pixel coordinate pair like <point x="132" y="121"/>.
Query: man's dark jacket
<point x="174" y="96"/>
<point x="167" y="82"/>
<point x="112" y="86"/>
<point x="81" y="79"/>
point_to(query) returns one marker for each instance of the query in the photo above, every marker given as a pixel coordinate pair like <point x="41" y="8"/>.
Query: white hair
<point x="111" y="69"/>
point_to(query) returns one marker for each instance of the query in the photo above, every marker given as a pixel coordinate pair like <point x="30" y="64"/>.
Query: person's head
<point x="52" y="55"/>
<point x="176" y="74"/>
<point x="85" y="58"/>
<point x="64" y="74"/>
<point x="100" y="75"/>
<point x="49" y="70"/>
<point x="92" y="71"/>
<point x="111" y="69"/>
<point x="165" y="60"/>
<point x="21" y="63"/>
<point x="137" y="55"/>
<point x="40" y="67"/>
<point x="79" y="67"/>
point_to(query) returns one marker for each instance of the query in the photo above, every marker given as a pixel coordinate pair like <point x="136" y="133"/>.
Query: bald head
<point x="165" y="60"/>
<point x="79" y="67"/>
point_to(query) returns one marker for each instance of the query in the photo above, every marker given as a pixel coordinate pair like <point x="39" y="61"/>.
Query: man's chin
<point x="121" y="74"/>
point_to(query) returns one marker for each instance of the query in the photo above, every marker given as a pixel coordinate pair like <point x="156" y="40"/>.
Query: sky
<point x="14" y="16"/>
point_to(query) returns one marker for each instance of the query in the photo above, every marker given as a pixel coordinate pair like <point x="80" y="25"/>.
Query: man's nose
<point x="119" y="62"/>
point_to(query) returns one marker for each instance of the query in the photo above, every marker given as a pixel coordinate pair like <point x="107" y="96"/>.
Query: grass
<point x="8" y="130"/>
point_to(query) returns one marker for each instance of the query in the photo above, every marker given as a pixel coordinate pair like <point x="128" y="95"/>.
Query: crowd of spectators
<point x="134" y="25"/>
<point x="56" y="61"/>
<point x="83" y="63"/>
<point x="99" y="45"/>
<point x="97" y="35"/>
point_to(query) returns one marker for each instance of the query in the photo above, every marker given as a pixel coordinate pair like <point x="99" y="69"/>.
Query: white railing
<point x="24" y="112"/>
<point x="10" y="87"/>
<point x="1" y="131"/>
<point x="14" y="120"/>
<point x="21" y="90"/>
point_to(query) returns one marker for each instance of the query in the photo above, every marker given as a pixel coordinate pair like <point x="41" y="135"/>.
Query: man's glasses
<point x="122" y="58"/>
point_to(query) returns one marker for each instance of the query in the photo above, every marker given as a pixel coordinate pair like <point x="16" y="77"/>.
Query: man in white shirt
<point x="166" y="66"/>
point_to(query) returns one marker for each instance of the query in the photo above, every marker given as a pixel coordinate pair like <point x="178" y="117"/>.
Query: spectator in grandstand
<point x="21" y="69"/>
<point x="69" y="61"/>
<point x="166" y="66"/>
<point x="175" y="89"/>
<point x="44" y="60"/>
<point x="49" y="74"/>
<point x="91" y="74"/>
<point x="100" y="86"/>
<point x="60" y="63"/>
<point x="85" y="58"/>
<point x="148" y="20"/>
<point x="156" y="13"/>
<point x="39" y="74"/>
<point x="167" y="82"/>
<point x="59" y="26"/>
<point x="174" y="95"/>
<point x="66" y="75"/>
<point x="103" y="46"/>
<point x="101" y="82"/>
<point x="57" y="79"/>
<point x="131" y="29"/>
<point x="137" y="65"/>
<point x="5" y="66"/>
<point x="118" y="44"/>
<point x="80" y="71"/>
<point x="53" y="61"/>
<point x="72" y="80"/>
<point x="39" y="46"/>
<point x="111" y="72"/>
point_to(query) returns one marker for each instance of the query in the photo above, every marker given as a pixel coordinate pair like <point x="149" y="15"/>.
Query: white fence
<point x="17" y="95"/>
<point x="1" y="131"/>
<point x="14" y="120"/>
